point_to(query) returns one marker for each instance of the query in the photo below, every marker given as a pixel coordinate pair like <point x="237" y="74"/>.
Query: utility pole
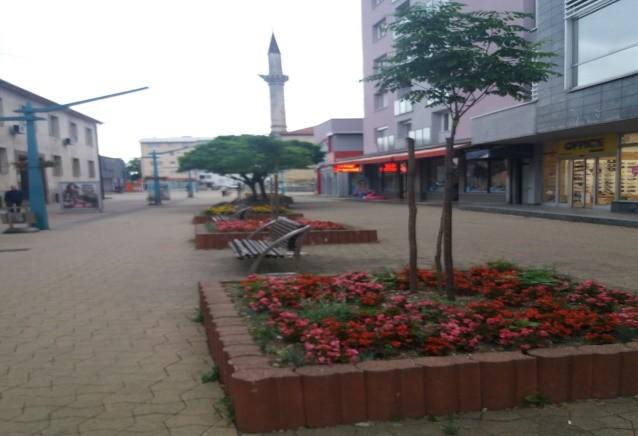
<point x="37" y="202"/>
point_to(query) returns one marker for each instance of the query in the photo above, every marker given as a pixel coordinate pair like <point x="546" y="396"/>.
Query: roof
<point x="37" y="98"/>
<point x="308" y="131"/>
<point x="176" y="139"/>
<point x="274" y="48"/>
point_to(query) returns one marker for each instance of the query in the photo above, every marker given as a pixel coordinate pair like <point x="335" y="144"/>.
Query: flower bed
<point x="219" y="234"/>
<point x="344" y="324"/>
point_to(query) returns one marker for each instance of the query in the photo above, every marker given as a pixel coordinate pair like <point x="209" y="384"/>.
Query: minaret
<point x="276" y="80"/>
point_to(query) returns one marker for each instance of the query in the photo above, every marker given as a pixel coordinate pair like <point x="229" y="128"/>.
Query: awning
<point x="393" y="157"/>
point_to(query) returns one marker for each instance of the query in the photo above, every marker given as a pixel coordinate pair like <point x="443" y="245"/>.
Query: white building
<point x="168" y="152"/>
<point x="67" y="143"/>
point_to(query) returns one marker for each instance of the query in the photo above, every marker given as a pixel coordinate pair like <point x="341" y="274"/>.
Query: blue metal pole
<point x="37" y="201"/>
<point x="156" y="183"/>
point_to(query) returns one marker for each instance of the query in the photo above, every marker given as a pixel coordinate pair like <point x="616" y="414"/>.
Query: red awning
<point x="394" y="157"/>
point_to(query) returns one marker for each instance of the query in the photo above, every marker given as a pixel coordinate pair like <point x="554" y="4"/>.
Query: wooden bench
<point x="285" y="238"/>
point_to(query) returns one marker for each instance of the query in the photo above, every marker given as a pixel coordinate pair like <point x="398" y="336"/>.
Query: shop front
<point x="592" y="172"/>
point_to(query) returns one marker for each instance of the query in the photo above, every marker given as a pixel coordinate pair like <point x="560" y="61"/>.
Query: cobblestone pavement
<point x="96" y="336"/>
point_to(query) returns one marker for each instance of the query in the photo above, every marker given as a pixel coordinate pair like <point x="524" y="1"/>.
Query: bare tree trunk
<point x="448" y="261"/>
<point x="437" y="257"/>
<point x="275" y="196"/>
<point x="412" y="211"/>
<point x="262" y="189"/>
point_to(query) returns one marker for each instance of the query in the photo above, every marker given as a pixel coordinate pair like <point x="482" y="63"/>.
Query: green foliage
<point x="226" y="408"/>
<point x="386" y="277"/>
<point x="320" y="310"/>
<point x="211" y="376"/>
<point x="463" y="56"/>
<point x="263" y="334"/>
<point x="292" y="354"/>
<point x="450" y="428"/>
<point x="536" y="400"/>
<point x="199" y="316"/>
<point x="537" y="276"/>
<point x="134" y="168"/>
<point x="502" y="265"/>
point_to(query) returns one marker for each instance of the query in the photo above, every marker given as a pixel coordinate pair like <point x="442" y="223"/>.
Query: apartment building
<point x="168" y="152"/>
<point x="339" y="138"/>
<point x="67" y="143"/>
<point x="582" y="126"/>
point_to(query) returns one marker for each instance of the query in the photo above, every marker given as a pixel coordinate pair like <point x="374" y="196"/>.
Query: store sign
<point x="347" y="168"/>
<point x="80" y="196"/>
<point x="605" y="144"/>
<point x="391" y="167"/>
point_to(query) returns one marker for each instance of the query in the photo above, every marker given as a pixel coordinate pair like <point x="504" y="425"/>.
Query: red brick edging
<point x="205" y="240"/>
<point x="267" y="399"/>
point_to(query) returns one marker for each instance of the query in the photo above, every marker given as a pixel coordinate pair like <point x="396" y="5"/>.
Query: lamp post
<point x="156" y="184"/>
<point x="36" y="185"/>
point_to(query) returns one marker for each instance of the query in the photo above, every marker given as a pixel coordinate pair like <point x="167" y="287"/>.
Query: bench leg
<point x="255" y="264"/>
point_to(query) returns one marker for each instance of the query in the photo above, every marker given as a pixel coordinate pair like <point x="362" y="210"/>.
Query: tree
<point x="250" y="158"/>
<point x="453" y="59"/>
<point x="134" y="169"/>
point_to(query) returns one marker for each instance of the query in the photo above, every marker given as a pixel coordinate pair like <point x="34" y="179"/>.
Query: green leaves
<point x="453" y="58"/>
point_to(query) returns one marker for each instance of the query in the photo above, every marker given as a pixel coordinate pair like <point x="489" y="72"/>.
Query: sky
<point x="200" y="59"/>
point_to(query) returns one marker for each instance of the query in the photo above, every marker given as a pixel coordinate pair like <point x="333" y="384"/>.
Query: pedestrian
<point x="13" y="199"/>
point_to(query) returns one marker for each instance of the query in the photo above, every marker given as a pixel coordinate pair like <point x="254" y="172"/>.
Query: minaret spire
<point x="276" y="80"/>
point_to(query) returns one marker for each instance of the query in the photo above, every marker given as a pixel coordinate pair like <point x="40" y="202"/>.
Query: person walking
<point x="13" y="199"/>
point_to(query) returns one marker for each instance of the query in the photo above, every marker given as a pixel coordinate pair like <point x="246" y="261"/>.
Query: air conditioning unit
<point x="17" y="129"/>
<point x="67" y="141"/>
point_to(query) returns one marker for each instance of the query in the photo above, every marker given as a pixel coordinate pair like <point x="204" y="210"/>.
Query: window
<point x="550" y="177"/>
<point x="1" y="112"/>
<point x="436" y="174"/>
<point x="88" y="136"/>
<point x="629" y="168"/>
<point x="73" y="131"/>
<point x="54" y="126"/>
<point x="379" y="30"/>
<point x="404" y="129"/>
<point x="477" y="173"/>
<point x="76" y="167"/>
<point x="385" y="141"/>
<point x="91" y="169"/>
<point x="4" y="161"/>
<point x="57" y="166"/>
<point x="446" y="121"/>
<point x="402" y="106"/>
<point x="421" y="137"/>
<point x="379" y="62"/>
<point x="604" y="42"/>
<point x="498" y="175"/>
<point x="381" y="100"/>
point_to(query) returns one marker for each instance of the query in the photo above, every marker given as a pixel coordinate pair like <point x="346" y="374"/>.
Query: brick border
<point x="203" y="219"/>
<point x="205" y="240"/>
<point x="267" y="398"/>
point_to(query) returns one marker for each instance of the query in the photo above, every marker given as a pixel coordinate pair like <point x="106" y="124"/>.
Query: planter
<point x="206" y="240"/>
<point x="203" y="219"/>
<point x="266" y="398"/>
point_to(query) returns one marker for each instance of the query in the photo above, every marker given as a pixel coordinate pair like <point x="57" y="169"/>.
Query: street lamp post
<point x="156" y="183"/>
<point x="37" y="201"/>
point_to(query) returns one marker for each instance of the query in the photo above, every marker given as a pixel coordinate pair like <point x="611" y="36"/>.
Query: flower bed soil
<point x="207" y="240"/>
<point x="409" y="383"/>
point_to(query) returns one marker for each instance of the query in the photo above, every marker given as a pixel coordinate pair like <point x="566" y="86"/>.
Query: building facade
<point x="114" y="174"/>
<point x="168" y="152"/>
<point x="67" y="143"/>
<point x="582" y="126"/>
<point x="339" y="138"/>
<point x="389" y="120"/>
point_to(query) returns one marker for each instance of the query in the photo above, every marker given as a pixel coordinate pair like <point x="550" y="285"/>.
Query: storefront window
<point x="563" y="194"/>
<point x="477" y="176"/>
<point x="606" y="181"/>
<point x="629" y="173"/>
<point x="436" y="175"/>
<point x="498" y="175"/>
<point x="549" y="178"/>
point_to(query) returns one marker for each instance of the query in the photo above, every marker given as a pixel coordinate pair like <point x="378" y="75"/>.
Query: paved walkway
<point x="96" y="336"/>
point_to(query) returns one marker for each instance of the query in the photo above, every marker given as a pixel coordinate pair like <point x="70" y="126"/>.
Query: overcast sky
<point x="200" y="58"/>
